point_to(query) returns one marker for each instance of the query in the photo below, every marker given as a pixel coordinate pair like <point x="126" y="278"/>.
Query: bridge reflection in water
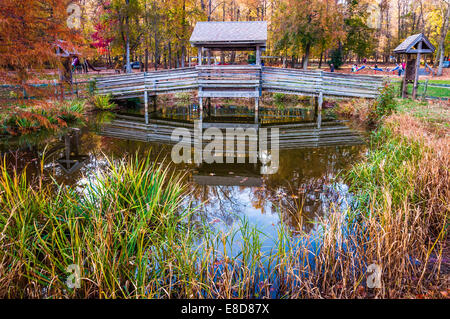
<point x="308" y="161"/>
<point x="297" y="127"/>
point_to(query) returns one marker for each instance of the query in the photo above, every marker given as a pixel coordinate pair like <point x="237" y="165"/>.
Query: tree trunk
<point x="170" y="55"/>
<point x="183" y="56"/>
<point x="183" y="46"/>
<point x="444" y="31"/>
<point x="209" y="10"/>
<point x="321" y="58"/>
<point x="128" y="39"/>
<point x="146" y="59"/>
<point x="306" y="57"/>
<point x="156" y="52"/>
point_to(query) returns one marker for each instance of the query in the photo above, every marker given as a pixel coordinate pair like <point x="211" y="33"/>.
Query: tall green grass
<point x="109" y="230"/>
<point x="390" y="167"/>
<point x="133" y="235"/>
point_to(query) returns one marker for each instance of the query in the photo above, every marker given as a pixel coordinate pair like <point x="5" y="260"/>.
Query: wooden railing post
<point x="256" y="110"/>
<point x="424" y="94"/>
<point x="145" y="98"/>
<point x="320" y="101"/>
<point x="200" y="99"/>
<point x="258" y="91"/>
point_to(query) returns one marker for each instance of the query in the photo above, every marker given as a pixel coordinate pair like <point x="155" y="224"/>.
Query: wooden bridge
<point x="239" y="81"/>
<point x="232" y="81"/>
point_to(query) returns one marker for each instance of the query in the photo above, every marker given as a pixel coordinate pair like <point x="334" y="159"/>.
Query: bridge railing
<point x="240" y="81"/>
<point x="123" y="85"/>
<point x="350" y="85"/>
<point x="229" y="80"/>
<point x="293" y="81"/>
<point x="154" y="82"/>
<point x="171" y="81"/>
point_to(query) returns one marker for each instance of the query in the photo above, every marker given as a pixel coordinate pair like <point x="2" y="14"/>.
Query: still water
<point x="312" y="162"/>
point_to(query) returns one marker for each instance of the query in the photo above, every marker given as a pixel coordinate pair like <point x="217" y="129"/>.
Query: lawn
<point x="432" y="91"/>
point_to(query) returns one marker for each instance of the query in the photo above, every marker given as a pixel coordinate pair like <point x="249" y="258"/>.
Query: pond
<point x="309" y="179"/>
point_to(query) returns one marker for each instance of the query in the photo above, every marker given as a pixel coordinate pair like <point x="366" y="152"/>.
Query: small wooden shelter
<point x="229" y="36"/>
<point x="66" y="52"/>
<point x="417" y="44"/>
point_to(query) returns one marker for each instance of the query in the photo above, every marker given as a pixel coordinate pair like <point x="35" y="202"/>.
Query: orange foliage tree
<point x="28" y="32"/>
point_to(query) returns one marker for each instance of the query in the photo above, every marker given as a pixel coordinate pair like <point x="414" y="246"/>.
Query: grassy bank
<point x="27" y="117"/>
<point x="132" y="235"/>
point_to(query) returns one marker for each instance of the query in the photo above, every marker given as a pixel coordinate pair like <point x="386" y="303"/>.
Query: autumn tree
<point x="444" y="31"/>
<point x="303" y="25"/>
<point x="29" y="30"/>
<point x="359" y="36"/>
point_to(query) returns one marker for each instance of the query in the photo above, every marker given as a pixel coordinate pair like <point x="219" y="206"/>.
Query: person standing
<point x="331" y="67"/>
<point x="400" y="69"/>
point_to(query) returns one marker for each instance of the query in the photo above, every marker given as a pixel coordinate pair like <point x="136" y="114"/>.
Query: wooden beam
<point x="199" y="55"/>
<point x="416" y="77"/>
<point x="258" y="55"/>
<point x="256" y="110"/>
<point x="200" y="107"/>
<point x="146" y="106"/>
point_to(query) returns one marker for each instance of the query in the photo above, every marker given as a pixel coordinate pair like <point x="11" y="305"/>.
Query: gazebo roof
<point x="65" y="49"/>
<point x="229" y="35"/>
<point x="410" y="45"/>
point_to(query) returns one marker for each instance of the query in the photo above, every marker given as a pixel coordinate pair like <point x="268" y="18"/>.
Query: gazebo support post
<point x="258" y="55"/>
<point x="200" y="107"/>
<point x="416" y="77"/>
<point x="199" y="55"/>
<point x="405" y="83"/>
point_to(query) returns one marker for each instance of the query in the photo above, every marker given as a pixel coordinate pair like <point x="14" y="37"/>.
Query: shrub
<point x="279" y="97"/>
<point x="70" y="111"/>
<point x="336" y="58"/>
<point x="103" y="102"/>
<point x="385" y="103"/>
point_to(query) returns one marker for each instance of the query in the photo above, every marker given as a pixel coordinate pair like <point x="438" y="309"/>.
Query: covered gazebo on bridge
<point x="229" y="81"/>
<point x="229" y="36"/>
